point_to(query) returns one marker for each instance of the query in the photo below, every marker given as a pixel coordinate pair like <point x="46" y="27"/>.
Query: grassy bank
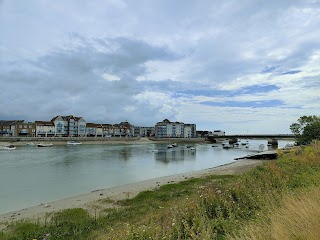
<point x="217" y="207"/>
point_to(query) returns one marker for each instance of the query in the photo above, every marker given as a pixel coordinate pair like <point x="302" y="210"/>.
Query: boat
<point x="30" y="144"/>
<point x="245" y="142"/>
<point x="73" y="143"/>
<point x="174" y="145"/>
<point x="154" y="150"/>
<point x="226" y="146"/>
<point x="44" y="144"/>
<point x="8" y="147"/>
<point x="169" y="146"/>
<point x="193" y="148"/>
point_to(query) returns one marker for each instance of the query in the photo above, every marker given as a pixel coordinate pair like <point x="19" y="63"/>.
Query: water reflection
<point x="175" y="155"/>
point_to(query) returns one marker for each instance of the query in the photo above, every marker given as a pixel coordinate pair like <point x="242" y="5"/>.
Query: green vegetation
<point x="218" y="207"/>
<point x="306" y="129"/>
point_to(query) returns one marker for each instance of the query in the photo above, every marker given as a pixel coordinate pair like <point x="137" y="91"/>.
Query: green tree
<point x="306" y="129"/>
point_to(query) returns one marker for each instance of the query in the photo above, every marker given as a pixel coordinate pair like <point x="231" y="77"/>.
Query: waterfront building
<point x="166" y="129"/>
<point x="123" y="129"/>
<point x="91" y="130"/>
<point x="8" y="127"/>
<point x="69" y="126"/>
<point x="107" y="130"/>
<point x="25" y="129"/>
<point x="144" y="131"/>
<point x="44" y="129"/>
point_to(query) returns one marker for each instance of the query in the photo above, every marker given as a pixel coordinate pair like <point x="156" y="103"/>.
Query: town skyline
<point x="249" y="67"/>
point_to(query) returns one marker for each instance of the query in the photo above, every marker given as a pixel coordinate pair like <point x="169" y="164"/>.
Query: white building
<point x="166" y="129"/>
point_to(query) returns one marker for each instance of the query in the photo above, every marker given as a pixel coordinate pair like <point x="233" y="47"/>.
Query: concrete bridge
<point x="272" y="138"/>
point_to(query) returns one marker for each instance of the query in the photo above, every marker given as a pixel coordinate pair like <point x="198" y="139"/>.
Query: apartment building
<point x="17" y="128"/>
<point x="69" y="126"/>
<point x="144" y="131"/>
<point x="45" y="129"/>
<point x="166" y="129"/>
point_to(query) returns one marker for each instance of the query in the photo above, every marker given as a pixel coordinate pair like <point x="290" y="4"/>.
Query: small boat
<point x="154" y="150"/>
<point x="44" y="144"/>
<point x="192" y="148"/>
<point x="8" y="147"/>
<point x="73" y="143"/>
<point x="226" y="146"/>
<point x="30" y="144"/>
<point x="169" y="146"/>
<point x="245" y="142"/>
<point x="174" y="145"/>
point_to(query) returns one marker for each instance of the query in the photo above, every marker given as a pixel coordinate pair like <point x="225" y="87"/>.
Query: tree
<point x="306" y="129"/>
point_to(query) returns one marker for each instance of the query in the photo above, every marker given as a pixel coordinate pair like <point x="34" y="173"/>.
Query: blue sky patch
<point x="253" y="104"/>
<point x="291" y="72"/>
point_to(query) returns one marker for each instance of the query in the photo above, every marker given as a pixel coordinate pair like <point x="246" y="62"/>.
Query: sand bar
<point x="93" y="201"/>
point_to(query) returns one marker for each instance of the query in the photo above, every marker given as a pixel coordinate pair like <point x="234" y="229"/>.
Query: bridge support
<point x="273" y="142"/>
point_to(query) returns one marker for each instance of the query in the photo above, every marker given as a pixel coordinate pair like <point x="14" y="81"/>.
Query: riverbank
<point x="98" y="140"/>
<point x="104" y="198"/>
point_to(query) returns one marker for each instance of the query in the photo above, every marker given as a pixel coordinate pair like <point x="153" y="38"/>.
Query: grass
<point x="218" y="207"/>
<point x="297" y="218"/>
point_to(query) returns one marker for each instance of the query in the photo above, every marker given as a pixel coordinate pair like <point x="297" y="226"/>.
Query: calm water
<point x="31" y="175"/>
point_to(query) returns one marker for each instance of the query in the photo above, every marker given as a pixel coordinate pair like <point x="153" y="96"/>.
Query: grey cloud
<point x="71" y="83"/>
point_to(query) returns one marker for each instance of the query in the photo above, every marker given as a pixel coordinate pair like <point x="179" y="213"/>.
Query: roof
<point x="10" y="122"/>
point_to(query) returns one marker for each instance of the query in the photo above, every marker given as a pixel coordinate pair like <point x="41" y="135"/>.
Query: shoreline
<point x="104" y="198"/>
<point x="142" y="140"/>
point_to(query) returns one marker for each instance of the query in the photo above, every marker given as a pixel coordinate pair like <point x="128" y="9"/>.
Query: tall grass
<point x="214" y="208"/>
<point x="297" y="218"/>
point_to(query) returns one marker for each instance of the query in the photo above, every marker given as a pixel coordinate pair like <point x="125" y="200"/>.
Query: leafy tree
<point x="306" y="129"/>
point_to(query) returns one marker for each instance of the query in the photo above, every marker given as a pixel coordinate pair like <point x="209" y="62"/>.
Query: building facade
<point x="69" y="126"/>
<point x="167" y="129"/>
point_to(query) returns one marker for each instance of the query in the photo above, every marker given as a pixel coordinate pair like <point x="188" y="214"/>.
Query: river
<point x="31" y="175"/>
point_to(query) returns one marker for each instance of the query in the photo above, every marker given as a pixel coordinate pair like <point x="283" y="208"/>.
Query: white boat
<point x="174" y="145"/>
<point x="30" y="144"/>
<point x="73" y="143"/>
<point x="44" y="144"/>
<point x="169" y="146"/>
<point x="8" y="147"/>
<point x="193" y="148"/>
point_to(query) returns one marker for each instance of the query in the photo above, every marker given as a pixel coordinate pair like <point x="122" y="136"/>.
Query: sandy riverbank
<point x="93" y="201"/>
<point x="143" y="140"/>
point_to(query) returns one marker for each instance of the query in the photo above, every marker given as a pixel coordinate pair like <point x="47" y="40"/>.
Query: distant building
<point x="144" y="131"/>
<point x="17" y="128"/>
<point x="218" y="133"/>
<point x="69" y="126"/>
<point x="8" y="127"/>
<point x="166" y="129"/>
<point x="44" y="129"/>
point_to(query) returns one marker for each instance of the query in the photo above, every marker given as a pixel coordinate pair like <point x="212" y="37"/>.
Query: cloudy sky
<point x="249" y="66"/>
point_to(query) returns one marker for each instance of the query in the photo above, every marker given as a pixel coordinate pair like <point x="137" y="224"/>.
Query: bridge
<point x="272" y="138"/>
<point x="258" y="136"/>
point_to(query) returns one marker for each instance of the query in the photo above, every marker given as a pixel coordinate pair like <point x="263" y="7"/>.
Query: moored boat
<point x="73" y="143"/>
<point x="8" y="147"/>
<point x="44" y="144"/>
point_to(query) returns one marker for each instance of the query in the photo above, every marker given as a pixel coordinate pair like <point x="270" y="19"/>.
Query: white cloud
<point x="110" y="77"/>
<point x="145" y="61"/>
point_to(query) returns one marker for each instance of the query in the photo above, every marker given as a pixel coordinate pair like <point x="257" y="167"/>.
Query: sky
<point x="249" y="66"/>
